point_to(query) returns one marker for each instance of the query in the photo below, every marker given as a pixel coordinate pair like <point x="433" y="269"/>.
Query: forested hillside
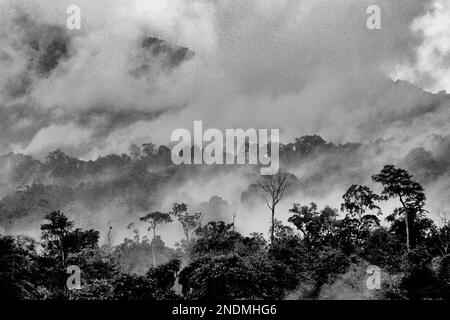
<point x="318" y="253"/>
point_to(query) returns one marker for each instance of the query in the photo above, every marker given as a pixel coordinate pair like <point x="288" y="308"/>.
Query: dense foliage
<point x="321" y="254"/>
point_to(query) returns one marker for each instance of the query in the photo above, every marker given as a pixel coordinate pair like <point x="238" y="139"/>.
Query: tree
<point x="137" y="256"/>
<point x="316" y="227"/>
<point x="56" y="232"/>
<point x="398" y="183"/>
<point x="18" y="268"/>
<point x="232" y="277"/>
<point x="61" y="239"/>
<point x="289" y="250"/>
<point x="154" y="219"/>
<point x="148" y="148"/>
<point x="164" y="277"/>
<point x="274" y="188"/>
<point x="189" y="222"/>
<point x="307" y="220"/>
<point x="61" y="164"/>
<point x="135" y="151"/>
<point x="222" y="277"/>
<point x="216" y="238"/>
<point x="357" y="200"/>
<point x="131" y="287"/>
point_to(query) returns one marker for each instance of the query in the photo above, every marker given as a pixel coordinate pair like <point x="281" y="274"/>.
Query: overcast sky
<point x="301" y="66"/>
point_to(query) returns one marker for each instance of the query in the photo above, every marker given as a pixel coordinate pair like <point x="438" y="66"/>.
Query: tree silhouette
<point x="155" y="219"/>
<point x="189" y="222"/>
<point x="274" y="188"/>
<point x="61" y="239"/>
<point x="56" y="232"/>
<point x="314" y="225"/>
<point x="357" y="200"/>
<point x="398" y="183"/>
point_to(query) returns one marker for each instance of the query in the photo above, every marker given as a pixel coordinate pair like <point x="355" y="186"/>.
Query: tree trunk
<point x="408" y="223"/>
<point x="408" y="243"/>
<point x="273" y="225"/>
<point x="153" y="248"/>
<point x="154" y="258"/>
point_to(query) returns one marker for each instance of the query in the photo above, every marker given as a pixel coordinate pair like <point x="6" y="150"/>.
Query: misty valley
<point x="315" y="253"/>
<point x="344" y="196"/>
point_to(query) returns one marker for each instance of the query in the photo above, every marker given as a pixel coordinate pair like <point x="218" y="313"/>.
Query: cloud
<point x="431" y="62"/>
<point x="302" y="67"/>
<point x="68" y="136"/>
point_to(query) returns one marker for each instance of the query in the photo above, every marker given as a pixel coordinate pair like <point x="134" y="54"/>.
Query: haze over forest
<point x="86" y="175"/>
<point x="137" y="71"/>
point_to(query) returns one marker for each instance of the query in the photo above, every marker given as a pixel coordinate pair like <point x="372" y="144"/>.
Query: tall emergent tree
<point x="274" y="188"/>
<point x="189" y="222"/>
<point x="155" y="219"/>
<point x="398" y="183"/>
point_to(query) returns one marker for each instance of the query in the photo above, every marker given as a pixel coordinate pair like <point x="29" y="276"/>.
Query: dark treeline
<point x="320" y="254"/>
<point x="30" y="188"/>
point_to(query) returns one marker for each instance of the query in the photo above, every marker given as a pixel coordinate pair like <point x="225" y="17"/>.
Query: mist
<point x="304" y="67"/>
